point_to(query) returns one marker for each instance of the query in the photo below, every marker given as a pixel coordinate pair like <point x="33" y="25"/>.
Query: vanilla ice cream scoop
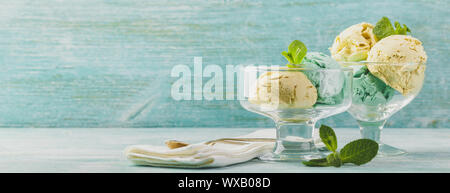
<point x="398" y="49"/>
<point x="402" y="62"/>
<point x="353" y="43"/>
<point x="284" y="89"/>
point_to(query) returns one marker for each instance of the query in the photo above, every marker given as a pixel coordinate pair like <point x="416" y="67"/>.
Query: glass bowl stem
<point x="294" y="142"/>
<point x="372" y="130"/>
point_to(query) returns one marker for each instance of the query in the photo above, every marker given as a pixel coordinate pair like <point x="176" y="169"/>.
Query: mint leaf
<point x="317" y="163"/>
<point x="384" y="28"/>
<point x="401" y="30"/>
<point x="296" y="51"/>
<point x="288" y="57"/>
<point x="331" y="160"/>
<point x="328" y="137"/>
<point x="359" y="151"/>
<point x="334" y="159"/>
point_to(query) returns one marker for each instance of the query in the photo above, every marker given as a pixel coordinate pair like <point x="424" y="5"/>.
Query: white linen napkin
<point x="215" y="153"/>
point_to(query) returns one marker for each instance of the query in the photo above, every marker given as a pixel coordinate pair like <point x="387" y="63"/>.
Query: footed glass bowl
<point x="374" y="101"/>
<point x="295" y="98"/>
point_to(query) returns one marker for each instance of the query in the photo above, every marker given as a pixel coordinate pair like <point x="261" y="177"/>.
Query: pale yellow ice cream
<point x="353" y="43"/>
<point x="406" y="57"/>
<point x="284" y="89"/>
<point x="398" y="49"/>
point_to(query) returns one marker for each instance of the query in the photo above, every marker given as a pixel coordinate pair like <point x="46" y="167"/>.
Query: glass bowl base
<point x="324" y="149"/>
<point x="292" y="157"/>
<point x="389" y="151"/>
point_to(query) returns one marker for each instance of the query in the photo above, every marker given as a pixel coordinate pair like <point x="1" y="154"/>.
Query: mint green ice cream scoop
<point x="329" y="83"/>
<point x="370" y="90"/>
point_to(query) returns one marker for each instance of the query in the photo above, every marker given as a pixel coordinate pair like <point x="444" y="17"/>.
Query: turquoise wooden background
<point x="107" y="63"/>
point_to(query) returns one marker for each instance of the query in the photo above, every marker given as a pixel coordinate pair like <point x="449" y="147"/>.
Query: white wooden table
<point x="101" y="150"/>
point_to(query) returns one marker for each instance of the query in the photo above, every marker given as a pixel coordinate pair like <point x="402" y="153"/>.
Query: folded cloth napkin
<point x="215" y="153"/>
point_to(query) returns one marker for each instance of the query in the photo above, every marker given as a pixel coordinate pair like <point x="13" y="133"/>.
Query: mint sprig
<point x="358" y="152"/>
<point x="401" y="30"/>
<point x="296" y="52"/>
<point x="334" y="159"/>
<point x="328" y="137"/>
<point x="384" y="28"/>
<point x="317" y="163"/>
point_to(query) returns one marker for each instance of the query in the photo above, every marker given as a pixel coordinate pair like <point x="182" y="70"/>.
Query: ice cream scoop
<point x="288" y="97"/>
<point x="329" y="83"/>
<point x="398" y="49"/>
<point x="353" y="43"/>
<point x="399" y="60"/>
<point x="284" y="89"/>
<point x="370" y="90"/>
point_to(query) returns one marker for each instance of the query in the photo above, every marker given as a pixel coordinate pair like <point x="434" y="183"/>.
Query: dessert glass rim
<point x="283" y="68"/>
<point x="360" y="63"/>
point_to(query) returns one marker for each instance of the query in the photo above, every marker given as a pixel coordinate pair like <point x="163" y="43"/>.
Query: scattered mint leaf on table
<point x="384" y="28"/>
<point x="317" y="163"/>
<point x="334" y="159"/>
<point x="296" y="51"/>
<point x="328" y="137"/>
<point x="358" y="152"/>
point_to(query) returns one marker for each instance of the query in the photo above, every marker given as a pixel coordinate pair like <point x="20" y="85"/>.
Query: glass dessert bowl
<point x="295" y="99"/>
<point x="377" y="96"/>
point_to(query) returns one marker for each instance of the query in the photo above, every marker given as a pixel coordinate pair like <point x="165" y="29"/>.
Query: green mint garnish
<point x="317" y="163"/>
<point x="358" y="152"/>
<point x="401" y="30"/>
<point x="328" y="137"/>
<point x="296" y="52"/>
<point x="384" y="28"/>
<point x="334" y="159"/>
